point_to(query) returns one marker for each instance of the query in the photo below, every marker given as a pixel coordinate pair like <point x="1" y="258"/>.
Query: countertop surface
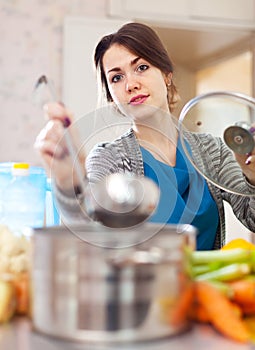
<point x="19" y="335"/>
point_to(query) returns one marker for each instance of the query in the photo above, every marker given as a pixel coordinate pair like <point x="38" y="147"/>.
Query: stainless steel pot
<point x="90" y="293"/>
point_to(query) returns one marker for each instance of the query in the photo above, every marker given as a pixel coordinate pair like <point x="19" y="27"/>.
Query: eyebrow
<point x="117" y="69"/>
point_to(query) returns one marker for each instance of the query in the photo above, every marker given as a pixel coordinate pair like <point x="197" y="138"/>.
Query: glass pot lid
<point x="228" y="116"/>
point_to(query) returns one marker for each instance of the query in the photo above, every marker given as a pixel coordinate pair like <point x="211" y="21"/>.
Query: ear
<point x="168" y="79"/>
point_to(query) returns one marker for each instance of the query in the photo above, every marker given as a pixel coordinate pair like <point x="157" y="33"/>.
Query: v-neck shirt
<point x="184" y="196"/>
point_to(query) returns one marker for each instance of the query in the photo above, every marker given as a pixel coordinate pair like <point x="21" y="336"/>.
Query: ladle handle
<point x="73" y="155"/>
<point x="43" y="81"/>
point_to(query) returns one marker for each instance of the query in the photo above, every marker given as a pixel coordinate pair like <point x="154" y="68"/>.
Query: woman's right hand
<point x="51" y="145"/>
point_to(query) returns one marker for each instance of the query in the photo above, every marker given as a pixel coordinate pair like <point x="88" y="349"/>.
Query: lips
<point x="139" y="99"/>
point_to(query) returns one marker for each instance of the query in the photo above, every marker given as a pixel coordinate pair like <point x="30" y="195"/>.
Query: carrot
<point x="243" y="290"/>
<point x="21" y="285"/>
<point x="198" y="313"/>
<point x="237" y="309"/>
<point x="248" y="309"/>
<point x="179" y="314"/>
<point x="250" y="324"/>
<point x="221" y="312"/>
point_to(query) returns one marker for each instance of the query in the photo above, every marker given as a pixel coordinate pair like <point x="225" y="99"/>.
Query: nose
<point x="132" y="84"/>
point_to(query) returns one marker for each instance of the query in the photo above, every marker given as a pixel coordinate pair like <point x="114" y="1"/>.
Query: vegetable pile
<point x="224" y="289"/>
<point x="14" y="274"/>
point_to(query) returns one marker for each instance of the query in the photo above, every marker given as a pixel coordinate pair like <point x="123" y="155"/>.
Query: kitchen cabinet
<point x="230" y="11"/>
<point x="220" y="13"/>
<point x="81" y="35"/>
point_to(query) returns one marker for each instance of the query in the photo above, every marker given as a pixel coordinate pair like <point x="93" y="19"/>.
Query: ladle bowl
<point x="121" y="200"/>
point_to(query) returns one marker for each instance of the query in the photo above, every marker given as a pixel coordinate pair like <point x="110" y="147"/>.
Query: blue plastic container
<point x="38" y="178"/>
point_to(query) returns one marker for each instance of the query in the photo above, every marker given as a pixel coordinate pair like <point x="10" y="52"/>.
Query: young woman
<point x="136" y="76"/>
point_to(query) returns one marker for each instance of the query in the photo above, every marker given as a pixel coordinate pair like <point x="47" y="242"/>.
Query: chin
<point x="140" y="112"/>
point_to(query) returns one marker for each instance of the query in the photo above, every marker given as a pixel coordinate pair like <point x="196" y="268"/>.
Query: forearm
<point x="70" y="207"/>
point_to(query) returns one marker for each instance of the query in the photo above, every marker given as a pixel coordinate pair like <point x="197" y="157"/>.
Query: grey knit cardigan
<point x="212" y="157"/>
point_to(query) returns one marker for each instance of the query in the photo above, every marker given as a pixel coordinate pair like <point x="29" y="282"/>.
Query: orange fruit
<point x="239" y="243"/>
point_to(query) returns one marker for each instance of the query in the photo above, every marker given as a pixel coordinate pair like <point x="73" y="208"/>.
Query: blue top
<point x="185" y="197"/>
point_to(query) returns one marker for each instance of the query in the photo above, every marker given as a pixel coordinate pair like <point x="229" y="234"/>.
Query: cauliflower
<point x="14" y="252"/>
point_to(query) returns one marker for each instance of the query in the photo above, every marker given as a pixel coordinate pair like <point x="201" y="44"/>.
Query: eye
<point x="142" y="67"/>
<point x="116" y="78"/>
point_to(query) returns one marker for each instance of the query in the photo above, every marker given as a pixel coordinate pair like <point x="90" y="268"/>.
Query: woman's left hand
<point x="247" y="164"/>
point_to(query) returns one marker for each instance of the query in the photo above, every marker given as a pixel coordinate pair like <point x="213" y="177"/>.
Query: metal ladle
<point x="119" y="200"/>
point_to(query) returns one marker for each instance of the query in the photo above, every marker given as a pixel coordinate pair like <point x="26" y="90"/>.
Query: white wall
<point x="31" y="44"/>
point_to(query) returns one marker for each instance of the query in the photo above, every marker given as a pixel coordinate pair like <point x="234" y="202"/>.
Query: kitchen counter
<point x="19" y="335"/>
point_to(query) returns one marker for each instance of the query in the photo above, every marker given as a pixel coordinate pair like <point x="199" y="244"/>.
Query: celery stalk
<point x="226" y="273"/>
<point x="223" y="256"/>
<point x="203" y="268"/>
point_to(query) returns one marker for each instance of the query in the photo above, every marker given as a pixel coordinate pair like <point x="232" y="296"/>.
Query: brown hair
<point x="144" y="42"/>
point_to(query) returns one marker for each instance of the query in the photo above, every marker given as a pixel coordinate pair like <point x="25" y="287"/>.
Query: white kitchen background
<point x="32" y="43"/>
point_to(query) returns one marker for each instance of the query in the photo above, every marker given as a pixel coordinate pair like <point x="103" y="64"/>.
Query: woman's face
<point x="137" y="87"/>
